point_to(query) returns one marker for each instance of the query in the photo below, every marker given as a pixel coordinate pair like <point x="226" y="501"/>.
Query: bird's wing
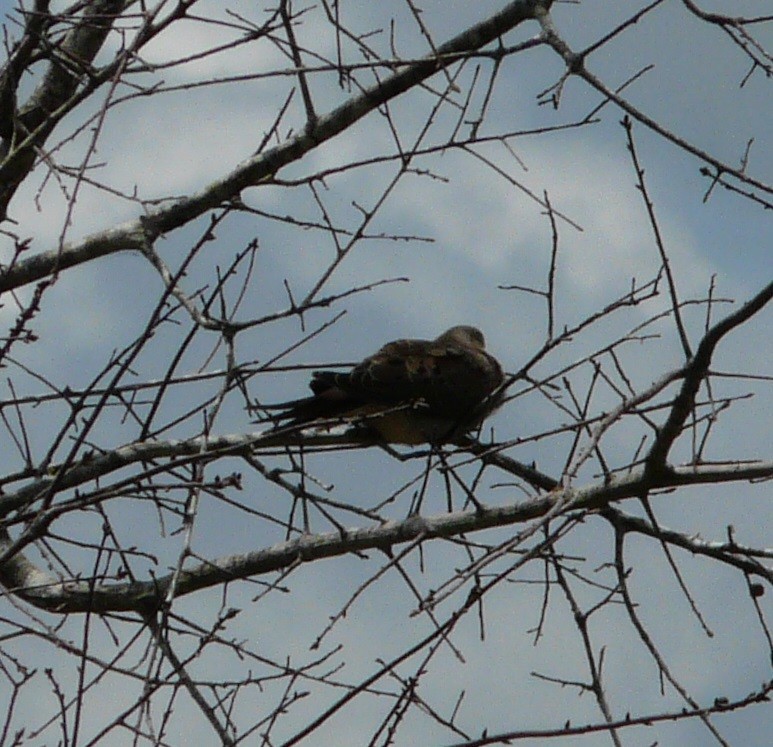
<point x="450" y="378"/>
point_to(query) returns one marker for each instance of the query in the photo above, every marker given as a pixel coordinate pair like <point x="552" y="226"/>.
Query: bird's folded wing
<point x="409" y="391"/>
<point x="451" y="379"/>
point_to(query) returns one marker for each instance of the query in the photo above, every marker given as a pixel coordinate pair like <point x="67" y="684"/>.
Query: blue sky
<point x="471" y="231"/>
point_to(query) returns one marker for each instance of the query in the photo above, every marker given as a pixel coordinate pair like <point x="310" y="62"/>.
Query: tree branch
<point x="25" y="580"/>
<point x="694" y="373"/>
<point x="252" y="172"/>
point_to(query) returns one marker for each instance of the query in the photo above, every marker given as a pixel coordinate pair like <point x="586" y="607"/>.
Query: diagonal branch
<point x="575" y="63"/>
<point x="694" y="374"/>
<point x="135" y="234"/>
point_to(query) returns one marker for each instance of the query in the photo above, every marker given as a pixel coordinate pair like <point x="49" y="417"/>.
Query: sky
<point x="468" y="230"/>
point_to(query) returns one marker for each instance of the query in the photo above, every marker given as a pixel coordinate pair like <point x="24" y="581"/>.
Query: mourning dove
<point x="409" y="392"/>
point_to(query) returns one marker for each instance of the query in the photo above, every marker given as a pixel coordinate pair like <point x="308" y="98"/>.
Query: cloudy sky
<point x="458" y="228"/>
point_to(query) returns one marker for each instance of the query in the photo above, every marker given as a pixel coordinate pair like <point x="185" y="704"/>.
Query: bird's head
<point x="463" y="334"/>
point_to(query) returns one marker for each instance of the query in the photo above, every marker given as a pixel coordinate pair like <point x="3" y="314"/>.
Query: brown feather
<point x="409" y="391"/>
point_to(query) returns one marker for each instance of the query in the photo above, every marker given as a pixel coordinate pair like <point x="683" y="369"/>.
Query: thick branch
<point x="21" y="577"/>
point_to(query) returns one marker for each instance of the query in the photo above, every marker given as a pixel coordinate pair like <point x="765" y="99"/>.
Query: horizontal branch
<point x="97" y="467"/>
<point x="25" y="580"/>
<point x="566" y="730"/>
<point x="202" y="447"/>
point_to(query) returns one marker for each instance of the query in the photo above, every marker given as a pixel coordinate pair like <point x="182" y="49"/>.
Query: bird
<point x="408" y="392"/>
